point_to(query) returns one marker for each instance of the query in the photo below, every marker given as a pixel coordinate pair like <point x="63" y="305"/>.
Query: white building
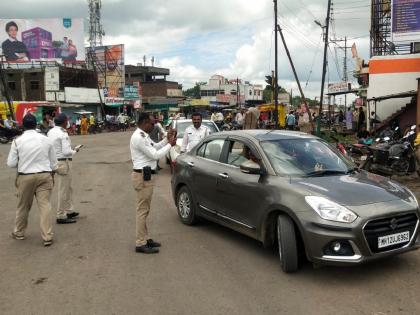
<point x="219" y="90"/>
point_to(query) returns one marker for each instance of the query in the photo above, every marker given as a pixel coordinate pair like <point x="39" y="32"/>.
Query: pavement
<point x="206" y="269"/>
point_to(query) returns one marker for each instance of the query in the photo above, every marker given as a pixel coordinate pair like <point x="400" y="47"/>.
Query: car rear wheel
<point x="287" y="242"/>
<point x="186" y="207"/>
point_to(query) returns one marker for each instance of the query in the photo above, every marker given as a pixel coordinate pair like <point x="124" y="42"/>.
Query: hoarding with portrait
<point x="109" y="61"/>
<point x="42" y="39"/>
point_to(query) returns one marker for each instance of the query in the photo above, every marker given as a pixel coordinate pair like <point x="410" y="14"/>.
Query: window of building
<point x="250" y="92"/>
<point x="233" y="92"/>
<point x="259" y="93"/>
<point x="255" y="92"/>
<point x="34" y="85"/>
<point x="12" y="85"/>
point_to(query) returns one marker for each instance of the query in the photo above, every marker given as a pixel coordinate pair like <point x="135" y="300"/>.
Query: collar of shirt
<point x="12" y="39"/>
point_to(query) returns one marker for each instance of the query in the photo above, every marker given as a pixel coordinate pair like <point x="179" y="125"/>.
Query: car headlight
<point x="413" y="196"/>
<point x="330" y="210"/>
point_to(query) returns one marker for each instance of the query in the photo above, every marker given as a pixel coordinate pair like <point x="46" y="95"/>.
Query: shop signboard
<point x="284" y="98"/>
<point x="81" y="95"/>
<point x="52" y="78"/>
<point x="339" y="87"/>
<point x="131" y="92"/>
<point x="405" y="22"/>
<point x="25" y="40"/>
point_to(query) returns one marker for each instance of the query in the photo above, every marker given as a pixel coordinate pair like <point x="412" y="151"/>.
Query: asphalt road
<point x="206" y="269"/>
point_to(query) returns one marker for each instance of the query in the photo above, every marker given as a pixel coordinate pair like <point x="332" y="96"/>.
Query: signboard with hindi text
<point x="405" y="23"/>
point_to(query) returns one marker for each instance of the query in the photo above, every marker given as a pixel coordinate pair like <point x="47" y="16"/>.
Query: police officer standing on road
<point x="193" y="134"/>
<point x="145" y="153"/>
<point x="34" y="157"/>
<point x="62" y="145"/>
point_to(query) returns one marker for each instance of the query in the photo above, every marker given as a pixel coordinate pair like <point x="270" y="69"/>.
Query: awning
<point x="396" y="95"/>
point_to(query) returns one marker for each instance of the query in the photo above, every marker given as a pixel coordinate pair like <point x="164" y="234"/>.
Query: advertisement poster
<point x="42" y="39"/>
<point x="109" y="61"/>
<point x="405" y="20"/>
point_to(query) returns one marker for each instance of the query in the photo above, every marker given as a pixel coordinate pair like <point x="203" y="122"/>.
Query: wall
<point x="391" y="75"/>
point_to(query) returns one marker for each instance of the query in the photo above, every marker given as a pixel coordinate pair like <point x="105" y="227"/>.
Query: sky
<point x="234" y="38"/>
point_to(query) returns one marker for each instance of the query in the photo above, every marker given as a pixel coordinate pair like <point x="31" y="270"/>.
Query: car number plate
<point x="363" y="157"/>
<point x="393" y="239"/>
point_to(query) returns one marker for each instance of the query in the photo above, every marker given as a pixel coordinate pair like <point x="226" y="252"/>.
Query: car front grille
<point x="391" y="225"/>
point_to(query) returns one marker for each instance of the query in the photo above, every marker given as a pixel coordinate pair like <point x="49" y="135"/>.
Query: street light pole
<point x="276" y="90"/>
<point x="324" y="67"/>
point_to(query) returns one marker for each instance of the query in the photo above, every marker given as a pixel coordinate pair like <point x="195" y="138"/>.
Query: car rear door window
<point x="213" y="149"/>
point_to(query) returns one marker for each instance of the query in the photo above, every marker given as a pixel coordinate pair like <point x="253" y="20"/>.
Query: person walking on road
<point x="64" y="152"/>
<point x="349" y="119"/>
<point x="34" y="157"/>
<point x="145" y="153"/>
<point x="193" y="134"/>
<point x="362" y="119"/>
<point x="290" y="121"/>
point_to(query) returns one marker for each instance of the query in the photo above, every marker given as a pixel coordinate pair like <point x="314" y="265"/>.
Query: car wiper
<point x="325" y="172"/>
<point x="352" y="170"/>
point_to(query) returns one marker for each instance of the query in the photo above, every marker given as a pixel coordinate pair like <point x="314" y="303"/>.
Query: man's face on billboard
<point x="12" y="31"/>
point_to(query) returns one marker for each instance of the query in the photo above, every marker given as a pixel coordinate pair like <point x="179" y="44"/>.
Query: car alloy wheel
<point x="287" y="243"/>
<point x="186" y="210"/>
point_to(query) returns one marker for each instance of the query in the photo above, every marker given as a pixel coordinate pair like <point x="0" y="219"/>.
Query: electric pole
<point x="237" y="92"/>
<point x="276" y="89"/>
<point x="324" y="67"/>
<point x="296" y="76"/>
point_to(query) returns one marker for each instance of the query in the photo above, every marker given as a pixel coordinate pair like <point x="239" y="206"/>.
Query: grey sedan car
<point x="294" y="191"/>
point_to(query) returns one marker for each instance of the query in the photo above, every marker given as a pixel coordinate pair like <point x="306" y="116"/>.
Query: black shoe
<point x="48" y="243"/>
<point x="72" y="215"/>
<point x="146" y="249"/>
<point x="152" y="243"/>
<point x="65" y="221"/>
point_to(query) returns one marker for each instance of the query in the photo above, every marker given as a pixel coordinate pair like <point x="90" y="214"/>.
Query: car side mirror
<point x="250" y="167"/>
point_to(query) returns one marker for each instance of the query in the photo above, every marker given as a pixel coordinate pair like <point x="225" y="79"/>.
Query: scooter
<point x="389" y="157"/>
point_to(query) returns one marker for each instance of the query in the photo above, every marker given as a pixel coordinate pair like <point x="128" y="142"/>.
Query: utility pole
<point x="296" y="76"/>
<point x="237" y="92"/>
<point x="324" y="67"/>
<point x="345" y="75"/>
<point x="276" y="89"/>
<point x="6" y="89"/>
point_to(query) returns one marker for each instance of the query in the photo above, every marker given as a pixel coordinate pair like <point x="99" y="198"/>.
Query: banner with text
<point x="405" y="23"/>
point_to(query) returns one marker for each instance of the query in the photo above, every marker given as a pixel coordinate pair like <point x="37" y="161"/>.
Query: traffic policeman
<point x="193" y="134"/>
<point x="34" y="157"/>
<point x="64" y="152"/>
<point x="145" y="154"/>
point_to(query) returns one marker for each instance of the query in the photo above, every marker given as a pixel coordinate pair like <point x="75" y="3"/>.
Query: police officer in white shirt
<point x="34" y="157"/>
<point x="193" y="134"/>
<point x="145" y="153"/>
<point x="64" y="152"/>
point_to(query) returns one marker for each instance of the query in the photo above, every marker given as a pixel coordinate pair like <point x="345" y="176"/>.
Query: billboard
<point x="42" y="39"/>
<point x="82" y="95"/>
<point x="109" y="62"/>
<point x="339" y="87"/>
<point x="405" y="23"/>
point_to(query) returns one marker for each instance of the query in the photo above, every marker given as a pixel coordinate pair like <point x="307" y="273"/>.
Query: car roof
<point x="266" y="135"/>
<point x="189" y="120"/>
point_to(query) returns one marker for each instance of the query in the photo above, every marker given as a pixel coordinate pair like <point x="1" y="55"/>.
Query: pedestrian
<point x="193" y="134"/>
<point x="362" y="119"/>
<point x="92" y="124"/>
<point x="251" y="118"/>
<point x="145" y="153"/>
<point x="157" y="135"/>
<point x="78" y="123"/>
<point x="84" y="125"/>
<point x="290" y="121"/>
<point x="34" y="157"/>
<point x="239" y="119"/>
<point x="349" y="119"/>
<point x="64" y="153"/>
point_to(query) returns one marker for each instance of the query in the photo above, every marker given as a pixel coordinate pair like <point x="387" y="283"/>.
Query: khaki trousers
<point x="65" y="191"/>
<point x="28" y="186"/>
<point x="144" y="190"/>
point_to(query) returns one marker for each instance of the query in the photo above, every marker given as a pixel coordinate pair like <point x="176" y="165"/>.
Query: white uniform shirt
<point x="61" y="142"/>
<point x="145" y="152"/>
<point x="32" y="152"/>
<point x="192" y="136"/>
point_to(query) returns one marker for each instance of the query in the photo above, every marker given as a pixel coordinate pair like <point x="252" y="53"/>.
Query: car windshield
<point x="182" y="125"/>
<point x="305" y="157"/>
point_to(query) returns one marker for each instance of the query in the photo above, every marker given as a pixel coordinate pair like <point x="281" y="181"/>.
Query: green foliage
<point x="194" y="92"/>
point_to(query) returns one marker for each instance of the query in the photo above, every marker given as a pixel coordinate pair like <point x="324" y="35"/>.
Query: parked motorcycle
<point x="388" y="157"/>
<point x="7" y="135"/>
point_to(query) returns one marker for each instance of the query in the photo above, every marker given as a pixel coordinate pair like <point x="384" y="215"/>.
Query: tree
<point x="268" y="94"/>
<point x="194" y="92"/>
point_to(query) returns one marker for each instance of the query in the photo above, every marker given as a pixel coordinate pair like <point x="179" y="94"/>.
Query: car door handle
<point x="191" y="164"/>
<point x="223" y="175"/>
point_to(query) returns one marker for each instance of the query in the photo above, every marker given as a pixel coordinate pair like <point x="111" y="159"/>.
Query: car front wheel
<point x="287" y="242"/>
<point x="186" y="207"/>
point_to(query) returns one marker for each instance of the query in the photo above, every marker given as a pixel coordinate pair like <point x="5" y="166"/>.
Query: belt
<point x="65" y="159"/>
<point x="141" y="171"/>
<point x="34" y="173"/>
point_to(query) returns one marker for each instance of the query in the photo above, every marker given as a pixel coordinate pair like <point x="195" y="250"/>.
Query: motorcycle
<point x="8" y="135"/>
<point x="392" y="157"/>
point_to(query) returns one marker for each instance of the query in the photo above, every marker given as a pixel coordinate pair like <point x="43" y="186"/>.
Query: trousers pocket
<point x="63" y="168"/>
<point x="137" y="180"/>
